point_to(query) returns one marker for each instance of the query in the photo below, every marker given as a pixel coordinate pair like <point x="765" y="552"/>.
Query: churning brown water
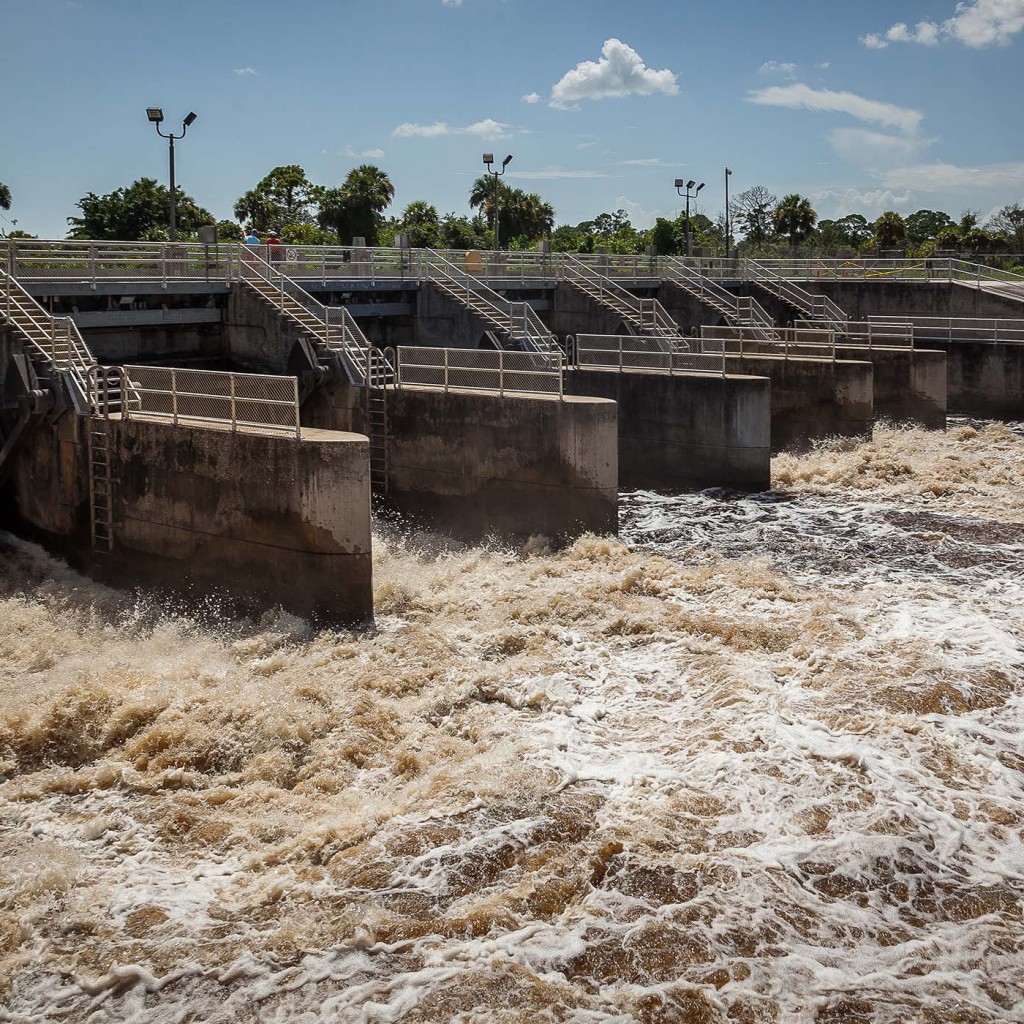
<point x="762" y="760"/>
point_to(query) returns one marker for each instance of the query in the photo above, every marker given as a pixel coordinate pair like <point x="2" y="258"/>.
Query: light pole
<point x="156" y="115"/>
<point x="488" y="160"/>
<point x="728" y="224"/>
<point x="689" y="195"/>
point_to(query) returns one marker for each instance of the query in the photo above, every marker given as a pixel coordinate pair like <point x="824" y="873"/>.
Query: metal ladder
<point x="101" y="482"/>
<point x="377" y="431"/>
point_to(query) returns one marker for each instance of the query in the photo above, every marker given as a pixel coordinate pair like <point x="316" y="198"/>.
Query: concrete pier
<point x="264" y="520"/>
<point x="474" y="465"/>
<point x="812" y="398"/>
<point x="684" y="431"/>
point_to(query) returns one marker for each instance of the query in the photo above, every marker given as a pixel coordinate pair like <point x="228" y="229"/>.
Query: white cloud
<point x="975" y="23"/>
<point x="824" y="65"/>
<point x="638" y="216"/>
<point x="620" y="71"/>
<point x="936" y="176"/>
<point x="774" y="67"/>
<point x="485" y="129"/>
<point x="651" y="161"/>
<point x="531" y="97"/>
<point x="555" y="172"/>
<point x="875" y="149"/>
<point x="452" y="3"/>
<point x="373" y="154"/>
<point x="802" y="97"/>
<point x="246" y="71"/>
<point x="852" y="200"/>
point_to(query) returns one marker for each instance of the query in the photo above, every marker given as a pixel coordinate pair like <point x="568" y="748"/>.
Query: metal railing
<point x="90" y="262"/>
<point x="635" y="352"/>
<point x="250" y="402"/>
<point x="647" y="315"/>
<point x="333" y="326"/>
<point x="886" y="333"/>
<point x="926" y="328"/>
<point x="519" y="320"/>
<point x="743" y="310"/>
<point x="817" y="307"/>
<point x="788" y="343"/>
<point x="467" y="369"/>
<point x="56" y="338"/>
<point x="944" y="269"/>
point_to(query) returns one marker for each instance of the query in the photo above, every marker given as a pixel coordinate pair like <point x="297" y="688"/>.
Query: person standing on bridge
<point x="274" y="246"/>
<point x="252" y="242"/>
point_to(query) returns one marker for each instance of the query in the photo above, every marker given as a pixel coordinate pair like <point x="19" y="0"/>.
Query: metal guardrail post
<point x="174" y="396"/>
<point x="234" y="410"/>
<point x="446" y="371"/>
<point x="298" y="417"/>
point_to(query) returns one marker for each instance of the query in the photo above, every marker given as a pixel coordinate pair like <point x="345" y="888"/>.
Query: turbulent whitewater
<point x="759" y="760"/>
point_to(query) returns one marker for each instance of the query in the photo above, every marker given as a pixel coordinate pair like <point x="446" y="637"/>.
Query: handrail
<point x="519" y="319"/>
<point x="648" y="314"/>
<point x="78" y="360"/>
<point x="336" y="328"/>
<point x="744" y="310"/>
<point x="631" y="352"/>
<point x="817" y="307"/>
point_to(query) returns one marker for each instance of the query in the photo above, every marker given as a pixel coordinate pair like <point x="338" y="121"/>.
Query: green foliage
<point x="5" y="196"/>
<point x="283" y="197"/>
<point x="1009" y="223"/>
<point x="665" y="239"/>
<point x="462" y="233"/>
<point x="20" y="234"/>
<point x="139" y="212"/>
<point x="229" y="231"/>
<point x="794" y="217"/>
<point x="422" y="225"/>
<point x="354" y="209"/>
<point x="523" y="217"/>
<point x="890" y="231"/>
<point x="925" y="225"/>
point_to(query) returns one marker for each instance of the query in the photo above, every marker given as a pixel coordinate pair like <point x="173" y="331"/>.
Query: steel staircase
<point x="818" y="308"/>
<point x="645" y="317"/>
<point x="738" y="310"/>
<point x="515" y="325"/>
<point x="331" y="329"/>
<point x="95" y="394"/>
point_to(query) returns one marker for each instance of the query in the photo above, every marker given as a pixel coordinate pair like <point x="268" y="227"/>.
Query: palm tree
<point x="5" y="197"/>
<point x="890" y="230"/>
<point x="354" y="209"/>
<point x="794" y="216"/>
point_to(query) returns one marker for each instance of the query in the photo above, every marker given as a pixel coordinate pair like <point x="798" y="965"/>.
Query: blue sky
<point x="880" y="104"/>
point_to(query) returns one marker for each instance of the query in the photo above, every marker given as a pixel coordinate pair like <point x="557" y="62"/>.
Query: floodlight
<point x="192" y="115"/>
<point x="507" y="160"/>
<point x="488" y="159"/>
<point x="155" y="114"/>
<point x="700" y="186"/>
<point x="680" y="183"/>
<point x="690" y="183"/>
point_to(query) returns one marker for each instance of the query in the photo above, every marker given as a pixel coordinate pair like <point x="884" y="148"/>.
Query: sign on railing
<point x="468" y="369"/>
<point x="632" y="352"/>
<point x="251" y="402"/>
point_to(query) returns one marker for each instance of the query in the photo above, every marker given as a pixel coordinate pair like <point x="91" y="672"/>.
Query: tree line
<point x="285" y="201"/>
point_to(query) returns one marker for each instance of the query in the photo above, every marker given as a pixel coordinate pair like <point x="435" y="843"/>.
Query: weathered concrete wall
<point x="908" y="387"/>
<point x="185" y="345"/>
<point x="812" y="398"/>
<point x="684" y="431"/>
<point x="926" y="298"/>
<point x="474" y="465"/>
<point x="574" y="312"/>
<point x="441" y="322"/>
<point x="259" y="340"/>
<point x="286" y="522"/>
<point x="984" y="378"/>
<point x="262" y="519"/>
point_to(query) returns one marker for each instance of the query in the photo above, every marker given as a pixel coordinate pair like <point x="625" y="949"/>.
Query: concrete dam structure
<point x="206" y="417"/>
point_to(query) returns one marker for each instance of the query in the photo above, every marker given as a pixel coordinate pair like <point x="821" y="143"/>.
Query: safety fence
<point x="250" y="402"/>
<point x="952" y="329"/>
<point x="460" y="369"/>
<point x="91" y="262"/>
<point x="940" y="270"/>
<point x="868" y="334"/>
<point x="633" y="352"/>
<point x="789" y="343"/>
